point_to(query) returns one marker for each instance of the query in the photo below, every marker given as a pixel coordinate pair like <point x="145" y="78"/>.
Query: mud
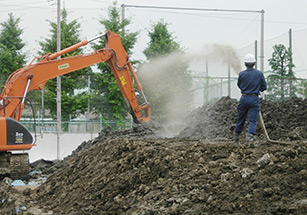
<point x="136" y="171"/>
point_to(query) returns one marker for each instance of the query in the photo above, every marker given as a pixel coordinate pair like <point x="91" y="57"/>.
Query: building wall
<point x="46" y="145"/>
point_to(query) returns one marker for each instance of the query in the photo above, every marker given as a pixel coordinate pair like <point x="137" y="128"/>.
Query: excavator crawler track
<point x="4" y="164"/>
<point x="15" y="166"/>
<point x="20" y="167"/>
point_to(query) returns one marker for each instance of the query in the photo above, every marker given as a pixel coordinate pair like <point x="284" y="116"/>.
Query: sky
<point x="192" y="29"/>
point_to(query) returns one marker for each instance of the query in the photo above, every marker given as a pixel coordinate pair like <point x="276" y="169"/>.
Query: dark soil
<point x="179" y="177"/>
<point x="200" y="172"/>
<point x="285" y="120"/>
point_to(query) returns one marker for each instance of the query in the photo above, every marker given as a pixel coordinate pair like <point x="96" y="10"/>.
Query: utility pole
<point x="206" y="92"/>
<point x="229" y="82"/>
<point x="123" y="18"/>
<point x="88" y="124"/>
<point x="58" y="99"/>
<point x="256" y="53"/>
<point x="291" y="63"/>
<point x="262" y="42"/>
<point x="290" y="48"/>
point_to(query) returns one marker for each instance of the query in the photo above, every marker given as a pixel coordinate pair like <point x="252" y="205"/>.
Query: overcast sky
<point x="192" y="29"/>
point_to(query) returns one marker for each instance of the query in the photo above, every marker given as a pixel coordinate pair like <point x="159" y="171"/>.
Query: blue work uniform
<point x="251" y="82"/>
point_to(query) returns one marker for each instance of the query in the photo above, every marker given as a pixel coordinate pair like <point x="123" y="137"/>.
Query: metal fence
<point x="77" y="125"/>
<point x="211" y="89"/>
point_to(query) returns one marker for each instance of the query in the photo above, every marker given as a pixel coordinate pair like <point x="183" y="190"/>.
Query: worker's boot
<point x="250" y="138"/>
<point x="236" y="137"/>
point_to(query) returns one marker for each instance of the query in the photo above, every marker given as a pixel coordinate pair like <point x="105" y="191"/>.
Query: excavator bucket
<point x="14" y="136"/>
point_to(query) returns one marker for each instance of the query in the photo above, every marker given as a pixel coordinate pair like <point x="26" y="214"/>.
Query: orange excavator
<point x="14" y="137"/>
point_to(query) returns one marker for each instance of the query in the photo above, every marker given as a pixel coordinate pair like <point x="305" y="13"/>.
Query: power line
<point x="193" y="9"/>
<point x="214" y="16"/>
<point x="216" y="10"/>
<point x="25" y="6"/>
<point x="25" y="3"/>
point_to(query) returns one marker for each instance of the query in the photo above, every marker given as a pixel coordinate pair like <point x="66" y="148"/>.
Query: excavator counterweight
<point x="14" y="135"/>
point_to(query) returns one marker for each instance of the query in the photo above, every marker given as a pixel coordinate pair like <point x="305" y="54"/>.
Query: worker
<point x="251" y="82"/>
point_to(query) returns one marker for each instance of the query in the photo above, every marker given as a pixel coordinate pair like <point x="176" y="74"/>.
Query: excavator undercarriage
<point x="15" y="166"/>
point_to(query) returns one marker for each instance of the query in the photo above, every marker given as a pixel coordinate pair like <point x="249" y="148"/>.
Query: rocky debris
<point x="173" y="176"/>
<point x="7" y="203"/>
<point x="11" y="200"/>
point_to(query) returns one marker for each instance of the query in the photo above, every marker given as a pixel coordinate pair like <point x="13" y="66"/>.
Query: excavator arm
<point x="35" y="75"/>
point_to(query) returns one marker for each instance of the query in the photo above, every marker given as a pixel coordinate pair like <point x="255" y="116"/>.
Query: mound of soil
<point x="283" y="120"/>
<point x="212" y="121"/>
<point x="286" y="120"/>
<point x="135" y="171"/>
<point x="179" y="177"/>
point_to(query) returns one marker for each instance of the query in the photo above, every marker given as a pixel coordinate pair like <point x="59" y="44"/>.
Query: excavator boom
<point x="35" y="76"/>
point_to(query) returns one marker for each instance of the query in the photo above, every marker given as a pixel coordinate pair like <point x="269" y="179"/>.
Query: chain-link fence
<point x="76" y="125"/>
<point x="208" y="87"/>
<point x="213" y="88"/>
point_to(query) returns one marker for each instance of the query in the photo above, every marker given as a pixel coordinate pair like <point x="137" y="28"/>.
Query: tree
<point x="165" y="77"/>
<point x="281" y="82"/>
<point x="11" y="45"/>
<point x="72" y="104"/>
<point x="161" y="42"/>
<point x="108" y="100"/>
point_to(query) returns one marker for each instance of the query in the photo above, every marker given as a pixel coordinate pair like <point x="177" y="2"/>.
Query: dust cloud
<point x="165" y="84"/>
<point x="226" y="54"/>
<point x="169" y="90"/>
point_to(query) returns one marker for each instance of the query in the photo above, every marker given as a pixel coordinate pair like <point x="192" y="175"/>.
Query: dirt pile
<point x="126" y="176"/>
<point x="284" y="120"/>
<point x="137" y="132"/>
<point x="144" y="131"/>
<point x="212" y="121"/>
<point x="135" y="171"/>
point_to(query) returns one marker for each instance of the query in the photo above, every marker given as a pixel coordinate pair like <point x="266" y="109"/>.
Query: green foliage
<point x="165" y="78"/>
<point x="161" y="41"/>
<point x="11" y="44"/>
<point x="72" y="104"/>
<point x="107" y="97"/>
<point x="281" y="83"/>
<point x="301" y="88"/>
